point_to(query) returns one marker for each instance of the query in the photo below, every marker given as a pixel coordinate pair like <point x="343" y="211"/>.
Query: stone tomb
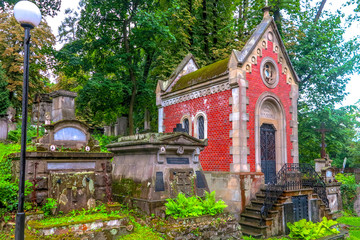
<point x="149" y="168"/>
<point x="74" y="177"/>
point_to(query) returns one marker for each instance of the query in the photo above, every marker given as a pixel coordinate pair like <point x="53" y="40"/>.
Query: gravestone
<point x="3" y="127"/>
<point x="42" y="106"/>
<point x="11" y="114"/>
<point x="149" y="168"/>
<point x="63" y="105"/>
<point x="68" y="166"/>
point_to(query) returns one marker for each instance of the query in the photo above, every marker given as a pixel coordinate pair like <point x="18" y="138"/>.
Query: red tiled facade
<point x="216" y="156"/>
<point x="256" y="88"/>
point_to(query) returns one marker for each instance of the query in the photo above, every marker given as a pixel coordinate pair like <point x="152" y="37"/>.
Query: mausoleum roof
<point x="202" y="75"/>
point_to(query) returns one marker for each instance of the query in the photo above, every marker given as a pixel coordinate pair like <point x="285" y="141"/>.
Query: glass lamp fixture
<point x="27" y="14"/>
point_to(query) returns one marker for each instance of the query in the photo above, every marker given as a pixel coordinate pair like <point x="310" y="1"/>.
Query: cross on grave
<point x="179" y="128"/>
<point x="323" y="130"/>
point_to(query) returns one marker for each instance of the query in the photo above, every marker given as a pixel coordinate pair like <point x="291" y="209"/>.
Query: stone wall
<point x="75" y="179"/>
<point x="236" y="189"/>
<point x="207" y="227"/>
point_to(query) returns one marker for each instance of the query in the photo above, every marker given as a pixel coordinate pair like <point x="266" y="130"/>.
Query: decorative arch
<point x="182" y="121"/>
<point x="270" y="110"/>
<point x="197" y="122"/>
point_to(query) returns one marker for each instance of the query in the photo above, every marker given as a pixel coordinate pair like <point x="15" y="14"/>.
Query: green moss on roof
<point x="201" y="75"/>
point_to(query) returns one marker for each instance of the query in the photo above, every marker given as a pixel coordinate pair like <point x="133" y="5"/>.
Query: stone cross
<point x="323" y="131"/>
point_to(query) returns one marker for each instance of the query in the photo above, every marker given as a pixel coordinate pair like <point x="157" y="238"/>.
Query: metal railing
<point x="293" y="176"/>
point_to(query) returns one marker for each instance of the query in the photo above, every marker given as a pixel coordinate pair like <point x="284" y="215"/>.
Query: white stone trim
<point x="196" y="130"/>
<point x="160" y="119"/>
<point x="197" y="94"/>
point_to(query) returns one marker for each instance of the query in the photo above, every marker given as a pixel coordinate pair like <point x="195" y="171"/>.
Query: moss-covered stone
<point x="201" y="75"/>
<point x="126" y="188"/>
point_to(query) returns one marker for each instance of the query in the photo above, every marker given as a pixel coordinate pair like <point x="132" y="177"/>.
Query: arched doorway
<point x="268" y="151"/>
<point x="270" y="135"/>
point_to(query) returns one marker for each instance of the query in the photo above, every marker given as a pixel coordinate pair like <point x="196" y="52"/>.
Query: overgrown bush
<point x="348" y="191"/>
<point x="15" y="135"/>
<point x="194" y="206"/>
<point x="8" y="188"/>
<point x="308" y="230"/>
<point x="104" y="140"/>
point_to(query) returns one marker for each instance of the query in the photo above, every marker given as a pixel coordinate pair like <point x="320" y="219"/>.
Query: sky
<point x="353" y="87"/>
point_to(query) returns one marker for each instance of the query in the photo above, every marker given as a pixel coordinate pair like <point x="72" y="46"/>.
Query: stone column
<point x="63" y="106"/>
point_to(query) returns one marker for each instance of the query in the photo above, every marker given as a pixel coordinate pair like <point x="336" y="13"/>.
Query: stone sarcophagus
<point x="149" y="168"/>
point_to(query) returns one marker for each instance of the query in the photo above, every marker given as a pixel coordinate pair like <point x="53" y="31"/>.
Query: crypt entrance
<point x="270" y="135"/>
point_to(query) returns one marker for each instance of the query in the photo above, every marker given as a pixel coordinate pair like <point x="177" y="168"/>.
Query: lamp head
<point x="27" y="14"/>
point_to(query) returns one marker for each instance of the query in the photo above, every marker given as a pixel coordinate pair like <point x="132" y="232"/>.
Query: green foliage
<point x="193" y="206"/>
<point x="348" y="191"/>
<point x="8" y="187"/>
<point x="50" y="205"/>
<point x="4" y="92"/>
<point x="211" y="206"/>
<point x="104" y="140"/>
<point x="342" y="123"/>
<point x="15" y="135"/>
<point x="308" y="230"/>
<point x="352" y="221"/>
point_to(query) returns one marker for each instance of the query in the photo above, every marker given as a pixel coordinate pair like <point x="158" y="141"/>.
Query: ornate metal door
<point x="268" y="156"/>
<point x="300" y="207"/>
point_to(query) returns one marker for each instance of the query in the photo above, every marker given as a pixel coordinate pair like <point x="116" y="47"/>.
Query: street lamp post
<point x="29" y="16"/>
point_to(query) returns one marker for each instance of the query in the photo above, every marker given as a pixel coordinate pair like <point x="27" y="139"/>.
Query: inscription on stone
<point x="181" y="180"/>
<point x="177" y="160"/>
<point x="159" y="182"/>
<point x="200" y="180"/>
<point x="70" y="165"/>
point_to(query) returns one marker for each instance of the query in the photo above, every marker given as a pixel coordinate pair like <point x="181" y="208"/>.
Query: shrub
<point x="15" y="135"/>
<point x="182" y="206"/>
<point x="104" y="140"/>
<point x="9" y="188"/>
<point x="49" y="206"/>
<point x="348" y="191"/>
<point x="308" y="230"/>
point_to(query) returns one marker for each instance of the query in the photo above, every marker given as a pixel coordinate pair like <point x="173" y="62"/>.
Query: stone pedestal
<point x="149" y="168"/>
<point x="63" y="106"/>
<point x="334" y="196"/>
<point x="319" y="165"/>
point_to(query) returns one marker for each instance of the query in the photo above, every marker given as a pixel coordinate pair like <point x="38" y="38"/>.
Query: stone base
<point x="236" y="189"/>
<point x="220" y="226"/>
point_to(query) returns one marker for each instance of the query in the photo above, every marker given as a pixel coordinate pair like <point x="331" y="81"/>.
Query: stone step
<point x="256" y="209"/>
<point x="253" y="227"/>
<point x="255" y="218"/>
<point x="251" y="234"/>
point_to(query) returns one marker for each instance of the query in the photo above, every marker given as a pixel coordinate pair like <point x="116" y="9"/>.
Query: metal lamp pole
<point x="29" y="16"/>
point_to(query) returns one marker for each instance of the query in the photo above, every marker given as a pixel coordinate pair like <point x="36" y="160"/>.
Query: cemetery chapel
<point x="245" y="105"/>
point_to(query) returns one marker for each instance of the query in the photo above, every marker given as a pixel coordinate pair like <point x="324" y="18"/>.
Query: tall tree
<point x="4" y="93"/>
<point x="11" y="56"/>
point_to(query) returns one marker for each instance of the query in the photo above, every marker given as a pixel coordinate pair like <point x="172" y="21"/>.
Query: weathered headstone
<point x="42" y="105"/>
<point x="3" y="127"/>
<point x="11" y="113"/>
<point x="63" y="106"/>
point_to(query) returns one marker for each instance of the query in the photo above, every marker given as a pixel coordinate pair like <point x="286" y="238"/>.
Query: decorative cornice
<point x="197" y="94"/>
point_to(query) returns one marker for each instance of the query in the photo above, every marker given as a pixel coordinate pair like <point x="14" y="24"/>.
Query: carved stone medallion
<point x="269" y="72"/>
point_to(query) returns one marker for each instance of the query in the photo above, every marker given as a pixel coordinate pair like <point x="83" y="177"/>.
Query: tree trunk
<point x="132" y="76"/>
<point x="205" y="29"/>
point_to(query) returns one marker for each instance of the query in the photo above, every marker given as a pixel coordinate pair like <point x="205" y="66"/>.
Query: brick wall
<point x="256" y="88"/>
<point x="216" y="156"/>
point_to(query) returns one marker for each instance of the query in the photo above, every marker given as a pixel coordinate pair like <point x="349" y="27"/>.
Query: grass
<point x="142" y="233"/>
<point x="71" y="220"/>
<point x="352" y="221"/>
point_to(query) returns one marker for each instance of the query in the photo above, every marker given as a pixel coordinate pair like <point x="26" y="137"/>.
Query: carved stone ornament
<point x="180" y="150"/>
<point x="269" y="72"/>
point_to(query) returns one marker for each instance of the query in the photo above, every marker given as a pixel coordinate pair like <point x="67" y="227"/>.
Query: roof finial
<point x="266" y="9"/>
